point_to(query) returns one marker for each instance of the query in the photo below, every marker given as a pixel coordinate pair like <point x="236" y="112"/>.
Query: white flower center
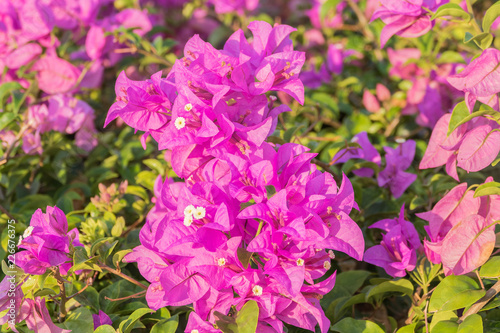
<point x="28" y="231"/>
<point x="300" y="262"/>
<point x="20" y="240"/>
<point x="331" y="254"/>
<point x="221" y="261"/>
<point x="195" y="331"/>
<point x="188" y="107"/>
<point x="199" y="213"/>
<point x="327" y="265"/>
<point x="400" y="140"/>
<point x="257" y="290"/>
<point x="188" y="220"/>
<point x="180" y="123"/>
<point x="189" y="210"/>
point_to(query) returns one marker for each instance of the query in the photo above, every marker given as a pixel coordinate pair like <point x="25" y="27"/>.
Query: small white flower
<point x="327" y="265"/>
<point x="188" y="220"/>
<point x="28" y="231"/>
<point x="400" y="140"/>
<point x="180" y="123"/>
<point x="188" y="107"/>
<point x="195" y="331"/>
<point x="189" y="210"/>
<point x="257" y="290"/>
<point x="199" y="213"/>
<point x="331" y="254"/>
<point x="300" y="262"/>
<point x="221" y="261"/>
<point x="20" y="240"/>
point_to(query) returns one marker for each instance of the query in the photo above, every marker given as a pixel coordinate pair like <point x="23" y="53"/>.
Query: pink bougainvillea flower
<point x="397" y="161"/>
<point x="461" y="230"/>
<point x="480" y="80"/>
<point x="370" y="101"/>
<point x="36" y="315"/>
<point x="405" y="18"/>
<point x="55" y="75"/>
<point x="366" y="152"/>
<point x="479" y="147"/>
<point x="101" y="319"/>
<point x="397" y="251"/>
<point x="47" y="242"/>
<point x="383" y="94"/>
<point x="468" y="245"/>
<point x="239" y="6"/>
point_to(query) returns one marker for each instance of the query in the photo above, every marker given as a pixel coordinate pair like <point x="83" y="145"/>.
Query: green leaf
<point x="350" y="325"/>
<point x="483" y="40"/>
<point x="408" y="328"/>
<point x="460" y="112"/>
<point x="6" y="118"/>
<point x="44" y="292"/>
<point x="291" y="132"/>
<point x="489" y="188"/>
<point x="8" y="88"/>
<point x="126" y="326"/>
<point x="455" y="292"/>
<point x="138" y="191"/>
<point x="450" y="57"/>
<point x="491" y="269"/>
<point x="473" y="323"/>
<point x="105" y="329"/>
<point x="445" y="327"/>
<point x="119" y="289"/>
<point x="400" y="286"/>
<point x="329" y="6"/>
<point x="244" y="256"/>
<point x="166" y="325"/>
<point x="490" y="16"/>
<point x="244" y="321"/>
<point x="442" y="316"/>
<point x="118" y="256"/>
<point x="88" y="297"/>
<point x="80" y="320"/>
<point x="82" y="261"/>
<point x="117" y="229"/>
<point x="98" y="244"/>
<point x="155" y="165"/>
<point x="461" y="115"/>
<point x="451" y="9"/>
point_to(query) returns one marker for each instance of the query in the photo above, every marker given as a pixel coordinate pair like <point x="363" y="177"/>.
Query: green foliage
<point x="350" y="325"/>
<point x="244" y="321"/>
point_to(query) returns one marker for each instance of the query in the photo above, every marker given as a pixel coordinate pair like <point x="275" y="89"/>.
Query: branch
<point x="138" y="295"/>
<point x="326" y="167"/>
<point x="126" y="277"/>
<point x="481" y="302"/>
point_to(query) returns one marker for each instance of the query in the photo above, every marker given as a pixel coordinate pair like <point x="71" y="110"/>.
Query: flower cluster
<point x="397" y="159"/>
<point x="406" y="18"/>
<point x="47" y="243"/>
<point x="474" y="145"/>
<point x="430" y="94"/>
<point x="461" y="229"/>
<point x="252" y="221"/>
<point x="397" y="251"/>
<point x="213" y="102"/>
<point x="366" y="151"/>
<point x="28" y="45"/>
